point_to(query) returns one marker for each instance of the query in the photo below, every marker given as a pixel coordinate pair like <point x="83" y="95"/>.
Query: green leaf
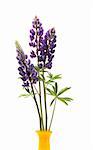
<point x="24" y="95"/>
<point x="50" y="75"/>
<point x="67" y="99"/>
<point x="54" y="77"/>
<point x="56" y="87"/>
<point x="63" y="90"/>
<point x="58" y="76"/>
<point x="49" y="81"/>
<point x="50" y="91"/>
<point x="53" y="88"/>
<point x="62" y="100"/>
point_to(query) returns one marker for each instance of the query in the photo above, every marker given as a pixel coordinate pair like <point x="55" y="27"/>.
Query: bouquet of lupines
<point x="37" y="80"/>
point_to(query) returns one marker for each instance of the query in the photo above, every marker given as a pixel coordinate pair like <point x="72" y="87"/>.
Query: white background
<point x="18" y="118"/>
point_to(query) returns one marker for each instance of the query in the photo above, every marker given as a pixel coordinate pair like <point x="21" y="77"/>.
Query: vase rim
<point x="43" y="132"/>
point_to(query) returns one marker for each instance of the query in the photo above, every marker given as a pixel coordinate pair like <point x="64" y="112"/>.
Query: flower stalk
<point x="42" y="124"/>
<point x="52" y="115"/>
<point x="45" y="103"/>
<point x="36" y="104"/>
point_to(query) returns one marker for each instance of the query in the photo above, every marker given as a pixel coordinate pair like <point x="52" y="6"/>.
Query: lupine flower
<point x="32" y="55"/>
<point x="47" y="50"/>
<point x="44" y="44"/>
<point x="36" y="38"/>
<point x="26" y="68"/>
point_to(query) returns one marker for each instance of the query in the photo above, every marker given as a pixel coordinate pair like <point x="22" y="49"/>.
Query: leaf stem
<point x="52" y="115"/>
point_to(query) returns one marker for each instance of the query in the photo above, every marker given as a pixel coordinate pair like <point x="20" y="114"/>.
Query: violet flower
<point x="47" y="49"/>
<point x="36" y="37"/>
<point x="44" y="44"/>
<point x="26" y="69"/>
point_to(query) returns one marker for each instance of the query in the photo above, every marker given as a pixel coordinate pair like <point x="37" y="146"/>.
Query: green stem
<point x="39" y="94"/>
<point x="36" y="103"/>
<point x="41" y="106"/>
<point x="52" y="115"/>
<point x="44" y="87"/>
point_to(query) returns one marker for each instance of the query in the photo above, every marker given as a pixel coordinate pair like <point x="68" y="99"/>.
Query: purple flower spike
<point x="36" y="37"/>
<point x="26" y="69"/>
<point x="47" y="49"/>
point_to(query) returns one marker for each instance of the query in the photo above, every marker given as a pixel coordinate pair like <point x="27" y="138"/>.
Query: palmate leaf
<point x="63" y="90"/>
<point x="56" y="94"/>
<point x="62" y="99"/>
<point x="52" y="78"/>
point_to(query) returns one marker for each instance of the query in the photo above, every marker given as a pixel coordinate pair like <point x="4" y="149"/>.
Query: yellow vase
<point x="44" y="140"/>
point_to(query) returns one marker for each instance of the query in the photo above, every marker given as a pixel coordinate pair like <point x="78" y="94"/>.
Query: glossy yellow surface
<point x="44" y="140"/>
